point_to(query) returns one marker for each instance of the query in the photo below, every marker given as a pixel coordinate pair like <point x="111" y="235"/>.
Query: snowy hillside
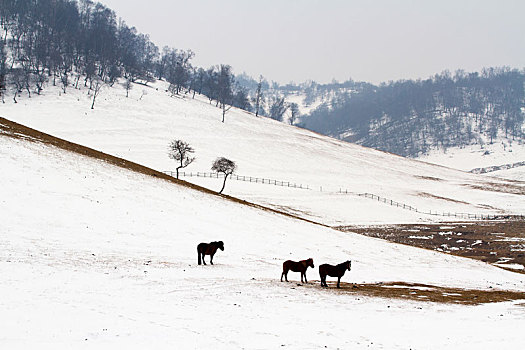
<point x="140" y="128"/>
<point x="471" y="157"/>
<point x="97" y="256"/>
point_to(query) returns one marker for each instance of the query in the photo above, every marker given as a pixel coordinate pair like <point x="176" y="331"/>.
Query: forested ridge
<point x="411" y="117"/>
<point x="69" y="43"/>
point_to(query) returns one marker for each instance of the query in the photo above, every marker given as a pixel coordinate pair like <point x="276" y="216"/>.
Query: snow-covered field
<point x="96" y="256"/>
<point x="471" y="157"/>
<point x="139" y="128"/>
<point x="517" y="174"/>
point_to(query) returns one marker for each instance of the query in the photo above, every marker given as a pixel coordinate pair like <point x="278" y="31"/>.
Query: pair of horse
<point x="324" y="270"/>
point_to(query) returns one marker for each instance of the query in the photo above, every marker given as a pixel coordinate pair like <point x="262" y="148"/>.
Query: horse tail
<point x="199" y="256"/>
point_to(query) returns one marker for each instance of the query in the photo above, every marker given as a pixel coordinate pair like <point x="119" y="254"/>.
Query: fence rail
<point x="440" y="213"/>
<point x="366" y="195"/>
<point x="240" y="178"/>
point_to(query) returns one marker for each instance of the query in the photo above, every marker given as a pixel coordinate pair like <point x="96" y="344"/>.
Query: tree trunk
<point x="223" y="184"/>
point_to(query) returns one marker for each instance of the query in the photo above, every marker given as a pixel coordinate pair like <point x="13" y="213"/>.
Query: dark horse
<point x="333" y="271"/>
<point x="300" y="266"/>
<point x="208" y="249"/>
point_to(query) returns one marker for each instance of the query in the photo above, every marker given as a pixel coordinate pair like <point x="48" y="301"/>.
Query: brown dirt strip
<point x="424" y="293"/>
<point x="11" y="129"/>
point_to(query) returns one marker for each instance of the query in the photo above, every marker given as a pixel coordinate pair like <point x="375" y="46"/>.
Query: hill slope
<point x="411" y="118"/>
<point x="139" y="128"/>
<point x="98" y="256"/>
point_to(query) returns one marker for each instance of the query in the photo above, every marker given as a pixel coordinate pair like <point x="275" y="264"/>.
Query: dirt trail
<point x="423" y="292"/>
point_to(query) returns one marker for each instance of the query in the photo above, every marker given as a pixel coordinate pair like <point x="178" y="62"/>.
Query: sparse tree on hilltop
<point x="277" y="108"/>
<point x="97" y="88"/>
<point x="181" y="152"/>
<point x="225" y="83"/>
<point x="128" y="85"/>
<point x="3" y="71"/>
<point x="224" y="166"/>
<point x="294" y="112"/>
<point x="259" y="97"/>
<point x="241" y="99"/>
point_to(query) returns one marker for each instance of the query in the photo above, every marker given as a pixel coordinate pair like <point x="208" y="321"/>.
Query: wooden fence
<point x="439" y="213"/>
<point x="365" y="195"/>
<point x="240" y="178"/>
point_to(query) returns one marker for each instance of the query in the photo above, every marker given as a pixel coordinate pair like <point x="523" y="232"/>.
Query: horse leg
<point x="305" y="280"/>
<point x="338" y="280"/>
<point x="203" y="256"/>
<point x="285" y="274"/>
<point x="211" y="259"/>
<point x="199" y="257"/>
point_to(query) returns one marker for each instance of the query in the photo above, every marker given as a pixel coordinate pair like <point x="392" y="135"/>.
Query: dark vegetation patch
<point x="500" y="242"/>
<point x="428" y="178"/>
<point x="430" y="195"/>
<point x="425" y="292"/>
<point x="500" y="187"/>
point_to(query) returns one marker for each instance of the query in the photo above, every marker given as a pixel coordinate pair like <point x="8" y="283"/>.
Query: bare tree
<point x="294" y="112"/>
<point x="40" y="80"/>
<point x="241" y="99"/>
<point x="181" y="151"/>
<point x="128" y="85"/>
<point x="64" y="78"/>
<point x="3" y="71"/>
<point x="17" y="81"/>
<point x="224" y="166"/>
<point x="277" y="108"/>
<point x="225" y="88"/>
<point x="99" y="83"/>
<point x="258" y="96"/>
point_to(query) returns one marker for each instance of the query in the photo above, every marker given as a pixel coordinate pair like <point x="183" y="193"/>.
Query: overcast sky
<point x="367" y="40"/>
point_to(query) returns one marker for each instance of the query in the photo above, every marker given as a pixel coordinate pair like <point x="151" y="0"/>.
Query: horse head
<point x="349" y="264"/>
<point x="220" y="245"/>
<point x="310" y="262"/>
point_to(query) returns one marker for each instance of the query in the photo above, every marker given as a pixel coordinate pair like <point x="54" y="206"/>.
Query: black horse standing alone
<point x="333" y="271"/>
<point x="208" y="249"/>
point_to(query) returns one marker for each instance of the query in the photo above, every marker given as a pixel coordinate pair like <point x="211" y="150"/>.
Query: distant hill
<point x="411" y="118"/>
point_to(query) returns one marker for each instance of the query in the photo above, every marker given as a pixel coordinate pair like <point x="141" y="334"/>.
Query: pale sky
<point x="367" y="40"/>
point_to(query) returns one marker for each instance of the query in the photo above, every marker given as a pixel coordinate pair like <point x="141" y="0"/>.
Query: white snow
<point x="475" y="156"/>
<point x="95" y="256"/>
<point x="139" y="129"/>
